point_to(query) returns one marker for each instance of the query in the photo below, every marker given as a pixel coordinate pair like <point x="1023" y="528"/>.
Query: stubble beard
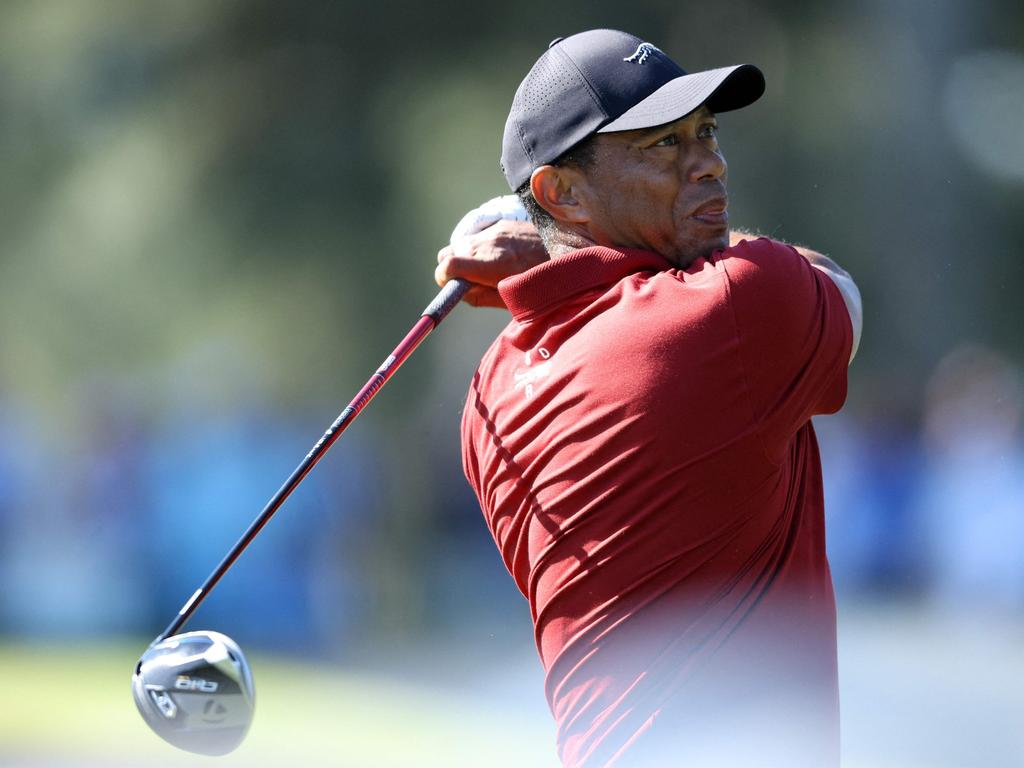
<point x="687" y="253"/>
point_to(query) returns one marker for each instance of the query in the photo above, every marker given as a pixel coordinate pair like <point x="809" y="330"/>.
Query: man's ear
<point x="555" y="189"/>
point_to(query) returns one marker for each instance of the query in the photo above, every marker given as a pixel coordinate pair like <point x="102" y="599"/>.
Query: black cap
<point x="602" y="81"/>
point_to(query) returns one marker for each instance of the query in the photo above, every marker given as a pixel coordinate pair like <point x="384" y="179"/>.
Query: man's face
<point x="660" y="189"/>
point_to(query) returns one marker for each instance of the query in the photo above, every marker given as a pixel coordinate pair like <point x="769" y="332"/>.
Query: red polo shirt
<point x="639" y="439"/>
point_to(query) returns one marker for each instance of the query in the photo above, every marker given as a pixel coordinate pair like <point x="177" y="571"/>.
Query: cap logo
<point x="641" y="53"/>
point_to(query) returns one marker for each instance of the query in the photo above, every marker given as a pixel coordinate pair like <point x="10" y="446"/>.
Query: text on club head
<point x="186" y="683"/>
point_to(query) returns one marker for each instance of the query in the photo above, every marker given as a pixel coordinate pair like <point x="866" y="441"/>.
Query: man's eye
<point x="709" y="131"/>
<point x="667" y="141"/>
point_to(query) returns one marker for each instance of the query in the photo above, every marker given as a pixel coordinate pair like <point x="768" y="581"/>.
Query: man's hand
<point x="502" y="250"/>
<point x="491" y="242"/>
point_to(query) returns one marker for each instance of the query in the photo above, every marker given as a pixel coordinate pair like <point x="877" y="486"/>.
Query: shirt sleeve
<point x="795" y="336"/>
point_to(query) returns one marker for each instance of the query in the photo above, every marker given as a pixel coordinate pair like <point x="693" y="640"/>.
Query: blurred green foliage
<point x="223" y="205"/>
<point x="264" y="177"/>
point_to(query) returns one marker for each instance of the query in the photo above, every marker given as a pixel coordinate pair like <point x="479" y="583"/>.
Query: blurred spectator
<point x="68" y="543"/>
<point x="971" y="508"/>
<point x="208" y="477"/>
<point x="871" y="476"/>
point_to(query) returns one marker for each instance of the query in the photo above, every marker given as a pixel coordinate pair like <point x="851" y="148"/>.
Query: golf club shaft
<point x="432" y="316"/>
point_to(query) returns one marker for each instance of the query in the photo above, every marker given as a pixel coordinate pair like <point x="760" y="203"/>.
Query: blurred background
<point x="217" y="218"/>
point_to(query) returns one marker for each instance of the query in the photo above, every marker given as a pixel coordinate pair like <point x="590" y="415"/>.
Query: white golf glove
<point x="494" y="210"/>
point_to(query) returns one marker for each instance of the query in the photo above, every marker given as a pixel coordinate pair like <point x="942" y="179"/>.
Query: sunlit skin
<point x="660" y="189"/>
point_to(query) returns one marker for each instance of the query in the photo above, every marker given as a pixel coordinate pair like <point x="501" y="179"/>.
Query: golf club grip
<point x="446" y="300"/>
<point x="432" y="316"/>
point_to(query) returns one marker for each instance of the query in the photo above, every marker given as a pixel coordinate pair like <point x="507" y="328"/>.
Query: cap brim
<point x="721" y="89"/>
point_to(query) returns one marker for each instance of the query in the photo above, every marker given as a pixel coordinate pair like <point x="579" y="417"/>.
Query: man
<point x="639" y="436"/>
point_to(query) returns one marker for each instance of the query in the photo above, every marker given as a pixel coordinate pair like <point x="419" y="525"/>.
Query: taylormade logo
<point x="641" y="53"/>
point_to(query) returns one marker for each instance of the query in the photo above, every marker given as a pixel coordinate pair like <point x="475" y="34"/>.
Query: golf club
<point x="195" y="690"/>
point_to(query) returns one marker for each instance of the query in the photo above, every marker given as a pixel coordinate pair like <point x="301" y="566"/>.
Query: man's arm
<point x="510" y="246"/>
<point x="838" y="275"/>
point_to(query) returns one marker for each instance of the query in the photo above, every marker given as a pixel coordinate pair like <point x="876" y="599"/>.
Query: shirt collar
<point x="556" y="280"/>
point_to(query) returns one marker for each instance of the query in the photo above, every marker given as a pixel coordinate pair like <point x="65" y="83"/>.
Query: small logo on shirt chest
<point x="526" y="379"/>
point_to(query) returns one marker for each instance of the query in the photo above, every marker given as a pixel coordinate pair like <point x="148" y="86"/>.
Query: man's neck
<point x="563" y="243"/>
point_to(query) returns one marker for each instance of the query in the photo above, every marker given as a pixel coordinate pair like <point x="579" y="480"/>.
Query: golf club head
<point x="196" y="691"/>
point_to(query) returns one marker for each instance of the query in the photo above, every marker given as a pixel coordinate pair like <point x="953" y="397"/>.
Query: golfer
<point x="639" y="436"/>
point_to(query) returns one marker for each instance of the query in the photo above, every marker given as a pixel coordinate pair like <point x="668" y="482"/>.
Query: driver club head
<point x="196" y="691"/>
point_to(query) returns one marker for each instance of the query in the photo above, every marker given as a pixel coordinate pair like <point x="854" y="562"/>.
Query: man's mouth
<point x="713" y="213"/>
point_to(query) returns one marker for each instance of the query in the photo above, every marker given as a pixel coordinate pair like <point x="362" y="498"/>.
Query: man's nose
<point x="705" y="164"/>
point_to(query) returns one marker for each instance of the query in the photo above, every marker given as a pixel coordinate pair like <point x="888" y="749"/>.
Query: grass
<point x="72" y="706"/>
<point x="920" y="689"/>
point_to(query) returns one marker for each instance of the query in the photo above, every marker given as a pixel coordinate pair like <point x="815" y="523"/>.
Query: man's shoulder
<point x="766" y="270"/>
<point x="759" y="251"/>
